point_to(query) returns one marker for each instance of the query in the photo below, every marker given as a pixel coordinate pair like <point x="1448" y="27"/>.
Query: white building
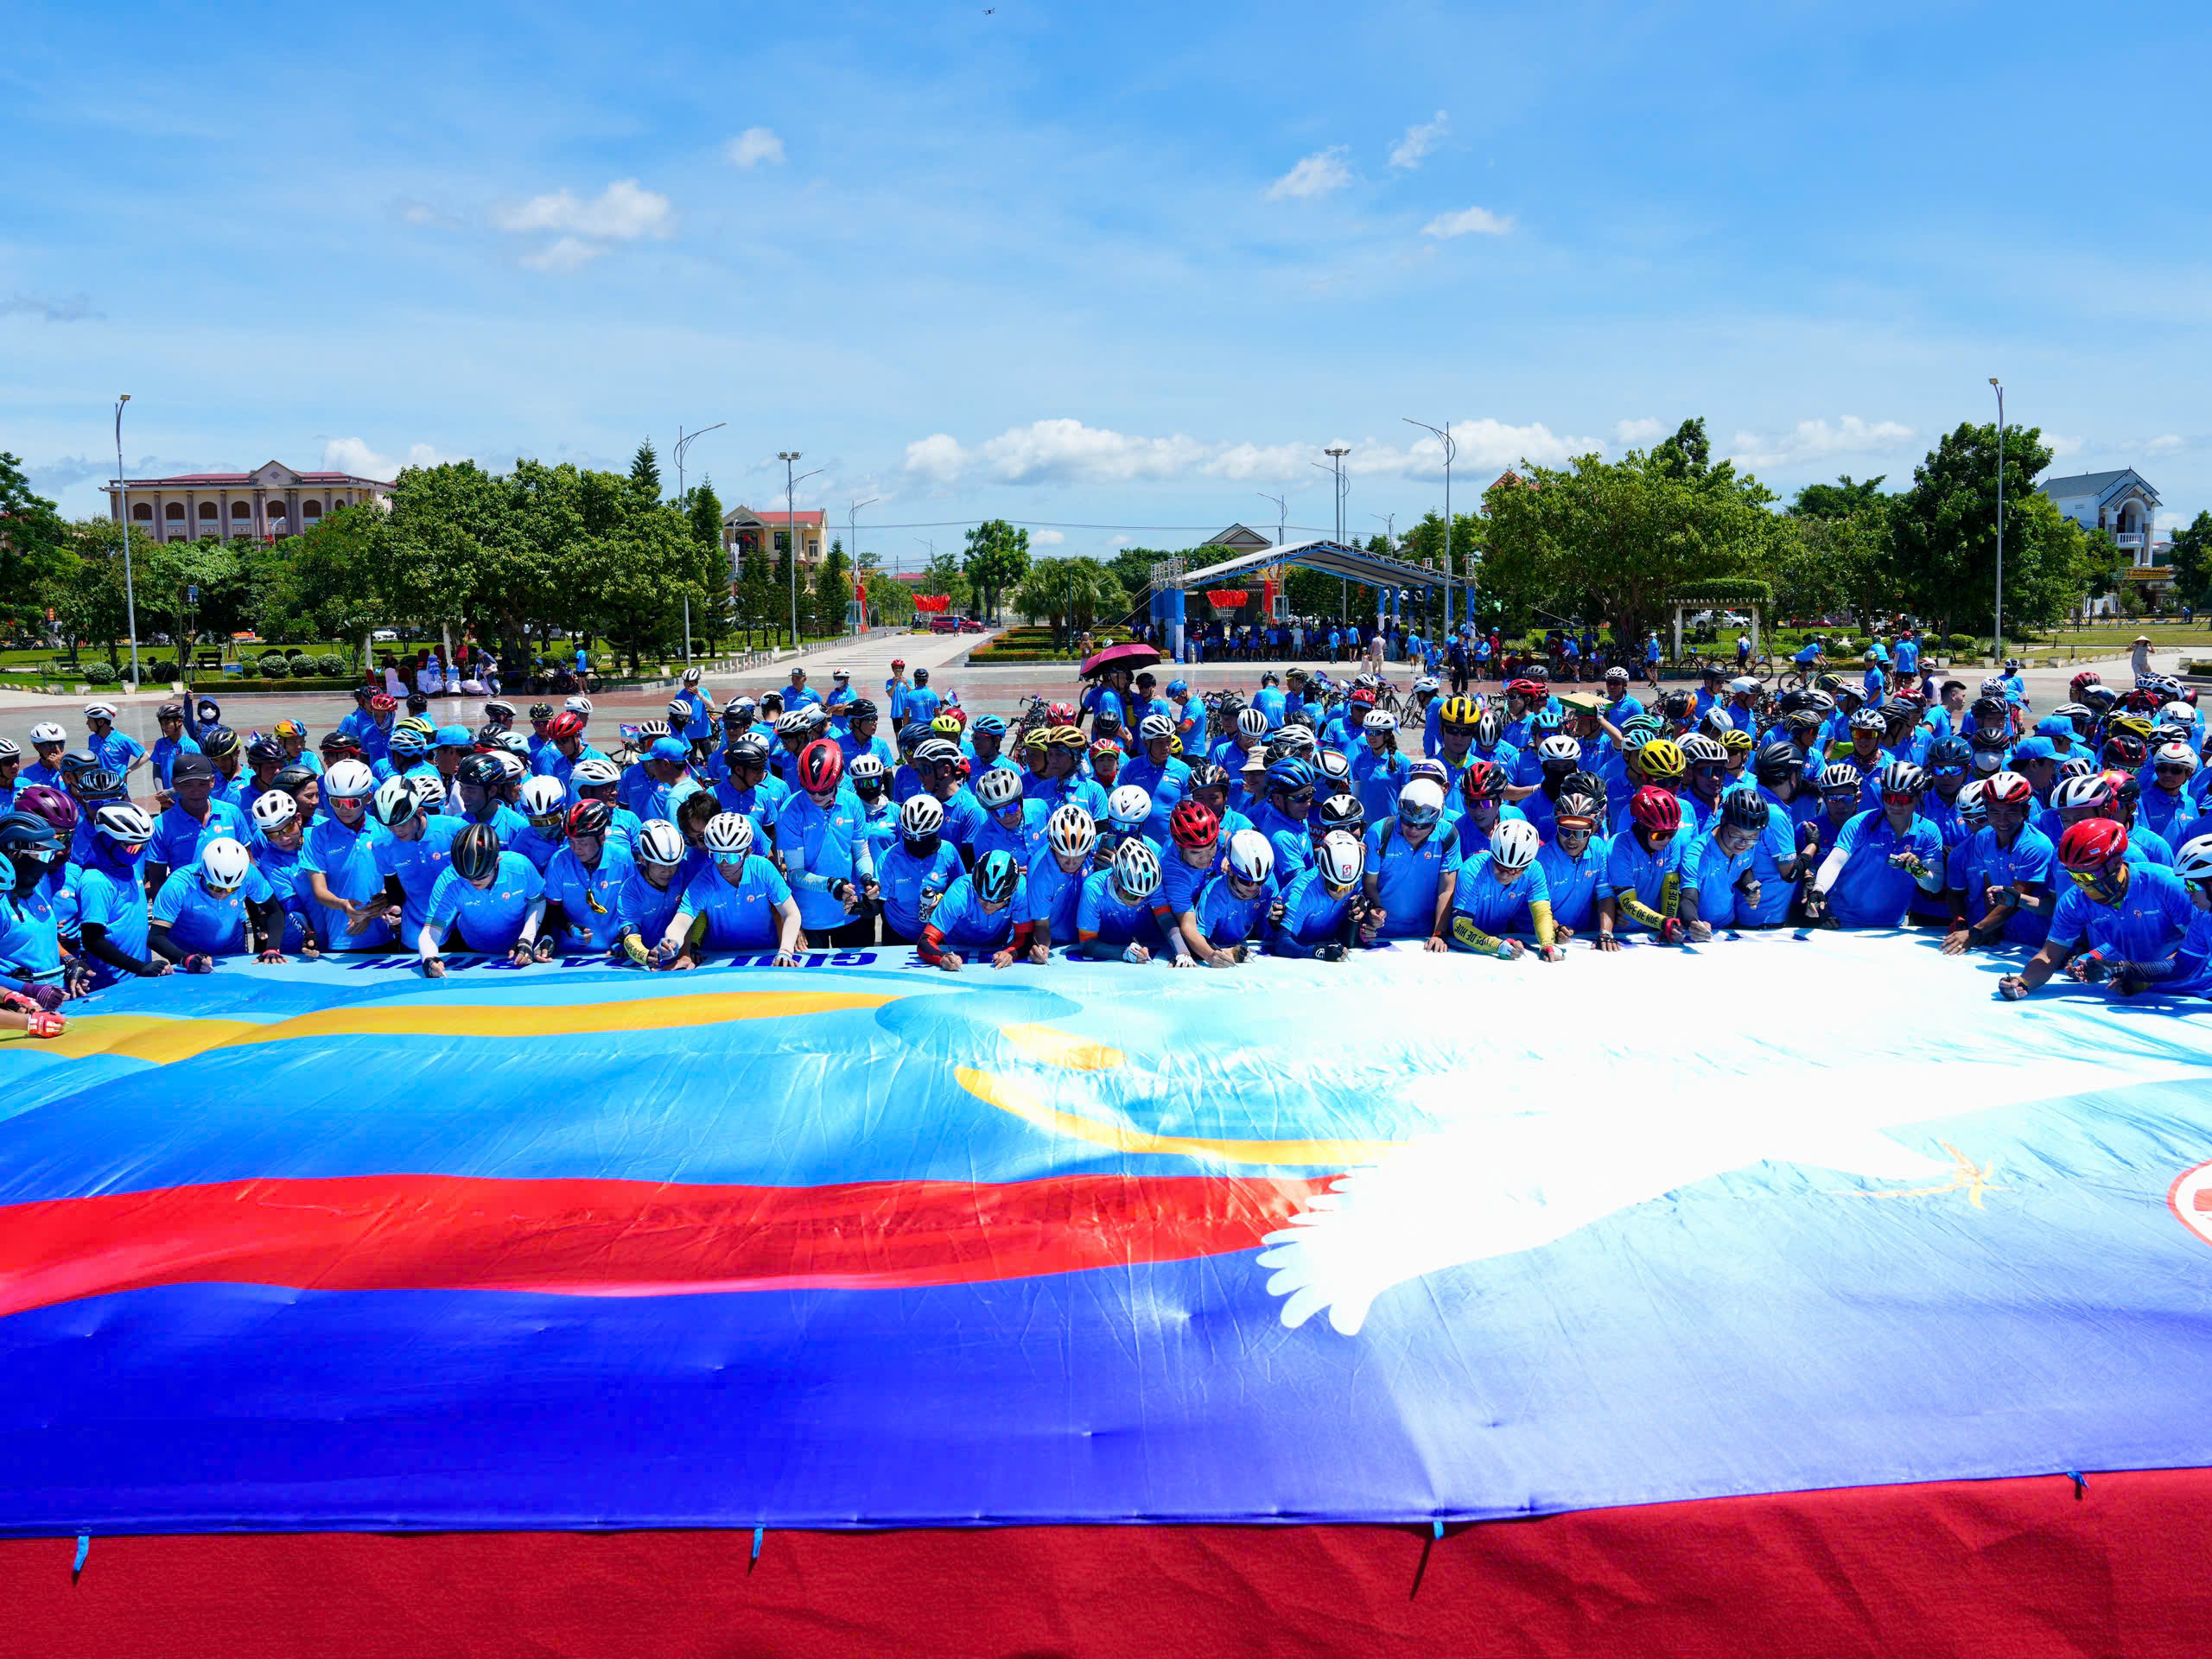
<point x="272" y="500"/>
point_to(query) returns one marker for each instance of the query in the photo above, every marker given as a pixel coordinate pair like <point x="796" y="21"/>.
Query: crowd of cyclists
<point x="1147" y="825"/>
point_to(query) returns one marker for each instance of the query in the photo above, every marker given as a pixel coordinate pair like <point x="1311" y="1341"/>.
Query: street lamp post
<point x="1451" y="449"/>
<point x="681" y="444"/>
<point x="123" y="512"/>
<point x="1997" y="632"/>
<point x="853" y="539"/>
<point x="1336" y="456"/>
<point x="790" y="528"/>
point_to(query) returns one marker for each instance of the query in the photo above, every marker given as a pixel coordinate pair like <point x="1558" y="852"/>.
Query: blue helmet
<point x="996" y="877"/>
<point x="1289" y="774"/>
<point x="1179" y="688"/>
<point x="409" y="744"/>
<point x="988" y="725"/>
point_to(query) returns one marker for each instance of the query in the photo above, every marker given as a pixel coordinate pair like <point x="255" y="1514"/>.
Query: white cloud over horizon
<point x="1318" y="174"/>
<point x="1419" y="141"/>
<point x="1469" y="221"/>
<point x="1643" y="430"/>
<point x="754" y="146"/>
<point x="355" y="456"/>
<point x="624" y="212"/>
<point x="1817" y="441"/>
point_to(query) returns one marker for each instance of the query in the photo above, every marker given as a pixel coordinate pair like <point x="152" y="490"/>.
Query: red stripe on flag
<point x="622" y="1239"/>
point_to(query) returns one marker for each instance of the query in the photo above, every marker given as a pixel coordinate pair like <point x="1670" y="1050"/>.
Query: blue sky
<point x="1123" y="266"/>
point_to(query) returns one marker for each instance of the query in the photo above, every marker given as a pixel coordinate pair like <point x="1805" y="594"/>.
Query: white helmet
<point x="998" y="788"/>
<point x="2176" y="753"/>
<point x="353" y="778"/>
<point x="100" y="711"/>
<point x="510" y="765"/>
<point x="46" y="731"/>
<point x="1341" y="858"/>
<point x="1513" y="844"/>
<point x="729" y="838"/>
<point x="1137" y="869"/>
<point x="2090" y="789"/>
<point x="396" y="803"/>
<point x="121" y="821"/>
<point x="870" y="765"/>
<point x="1379" y="720"/>
<point x="1421" y="801"/>
<point x="1128" y="805"/>
<point x="791" y="722"/>
<point x="2193" y="858"/>
<point x="224" y="862"/>
<point x="1252" y="722"/>
<point x="1251" y="856"/>
<point x="578" y="706"/>
<point x="273" y="809"/>
<point x="1560" y="746"/>
<point x="690" y="678"/>
<point x="595" y="770"/>
<point x="921" y="817"/>
<point x="541" y="796"/>
<point x="1155" y="725"/>
<point x="1428" y="682"/>
<point x="1069" y="831"/>
<point x="659" y="842"/>
<point x="2178" y="711"/>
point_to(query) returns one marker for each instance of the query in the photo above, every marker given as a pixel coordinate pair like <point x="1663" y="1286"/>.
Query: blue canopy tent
<point x="1391" y="578"/>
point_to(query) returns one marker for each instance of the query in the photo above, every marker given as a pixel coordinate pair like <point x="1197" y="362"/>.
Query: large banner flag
<point x="863" y="1243"/>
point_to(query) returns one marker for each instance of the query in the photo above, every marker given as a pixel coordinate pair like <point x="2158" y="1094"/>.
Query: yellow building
<point x="273" y="501"/>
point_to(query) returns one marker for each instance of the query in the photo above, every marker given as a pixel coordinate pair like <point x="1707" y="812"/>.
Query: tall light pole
<point x="853" y="538"/>
<point x="123" y="512"/>
<point x="681" y="444"/>
<point x="1451" y="448"/>
<point x="790" y="528"/>
<point x="1336" y="469"/>
<point x="1282" y="513"/>
<point x="1997" y="632"/>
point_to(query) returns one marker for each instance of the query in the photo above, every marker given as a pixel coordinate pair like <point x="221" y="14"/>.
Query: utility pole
<point x="1997" y="630"/>
<point x="790" y="528"/>
<point x="1336" y="469"/>
<point x="123" y="512"/>
<point x="853" y="540"/>
<point x="1451" y="449"/>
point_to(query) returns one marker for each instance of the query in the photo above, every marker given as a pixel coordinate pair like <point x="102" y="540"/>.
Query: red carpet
<point x="2010" y="1568"/>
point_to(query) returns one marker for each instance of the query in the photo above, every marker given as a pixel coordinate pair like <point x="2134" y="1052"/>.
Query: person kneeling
<point x="484" y="900"/>
<point x="217" y="906"/>
<point x="1500" y="890"/>
<point x="738" y="902"/>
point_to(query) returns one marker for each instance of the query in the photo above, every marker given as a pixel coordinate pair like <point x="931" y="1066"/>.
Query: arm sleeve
<point x="100" y="948"/>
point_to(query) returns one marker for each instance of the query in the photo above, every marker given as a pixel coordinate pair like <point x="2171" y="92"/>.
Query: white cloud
<point x="353" y="455"/>
<point x="754" y="146"/>
<point x="1642" y="431"/>
<point x="1418" y="141"/>
<point x="1065" y="451"/>
<point x="2062" y="447"/>
<point x="1048" y="539"/>
<point x="2163" y="446"/>
<point x="622" y="213"/>
<point x="1814" y="441"/>
<point x="566" y="254"/>
<point x="1318" y="174"/>
<point x="1120" y="541"/>
<point x="1471" y="221"/>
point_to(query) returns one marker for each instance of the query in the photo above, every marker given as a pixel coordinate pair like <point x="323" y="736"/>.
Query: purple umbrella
<point x="1134" y="654"/>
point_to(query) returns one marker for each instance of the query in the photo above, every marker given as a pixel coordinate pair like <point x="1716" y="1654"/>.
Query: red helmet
<point x="953" y="711"/>
<point x="2007" y="789"/>
<point x="1364" y="695"/>
<point x="1060" y="714"/>
<point x="1483" y="780"/>
<point x="1194" y="823"/>
<point x="1107" y="746"/>
<point x="2081" y="681"/>
<point x="590" y="817"/>
<point x="1656" y="811"/>
<point x="1525" y="688"/>
<point x="384" y="702"/>
<point x="2093" y="843"/>
<point x="820" y="766"/>
<point x="568" y="723"/>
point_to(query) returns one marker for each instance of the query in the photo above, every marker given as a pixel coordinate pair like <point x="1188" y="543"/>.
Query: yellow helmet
<point x="1460" y="713"/>
<point x="1661" y="758"/>
<point x="946" y="726"/>
<point x="1067" y="736"/>
<point x="1035" y="738"/>
<point x="1736" y="740"/>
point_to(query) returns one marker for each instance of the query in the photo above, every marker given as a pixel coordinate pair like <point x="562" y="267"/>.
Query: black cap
<point x="190" y="765"/>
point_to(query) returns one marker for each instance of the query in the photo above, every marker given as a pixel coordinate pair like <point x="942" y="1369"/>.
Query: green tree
<point x="1611" y="540"/>
<point x="167" y="573"/>
<point x="943" y="575"/>
<point x="1946" y="532"/>
<point x="2104" y="565"/>
<point x="35" y="542"/>
<point x="889" y="601"/>
<point x="86" y="592"/>
<point x="630" y="563"/>
<point x="331" y="582"/>
<point x="1072" y="594"/>
<point x="2192" y="562"/>
<point x="644" y="470"/>
<point x="997" y="557"/>
<point x="452" y="550"/>
<point x="833" y="590"/>
<point x="1841" y="499"/>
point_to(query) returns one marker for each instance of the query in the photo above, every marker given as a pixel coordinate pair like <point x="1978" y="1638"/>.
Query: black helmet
<point x="996" y="875"/>
<point x="482" y="770"/>
<point x="541" y="711"/>
<point x="476" y="852"/>
<point x="489" y="734"/>
<point x="266" y="752"/>
<point x="1343" y="812"/>
<point x="1742" y="808"/>
<point x="1949" y="753"/>
<point x="294" y="779"/>
<point x="98" y="783"/>
<point x="1776" y="762"/>
<point x="26" y="835"/>
<point x="859" y="708"/>
<point x="216" y="741"/>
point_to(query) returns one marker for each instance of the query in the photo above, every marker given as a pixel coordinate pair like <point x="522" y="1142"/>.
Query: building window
<point x="783" y="541"/>
<point x="143" y="511"/>
<point x="174" y="512"/>
<point x="239" y="509"/>
<point x="207" y="513"/>
<point x="310" y="509"/>
<point x="276" y="509"/>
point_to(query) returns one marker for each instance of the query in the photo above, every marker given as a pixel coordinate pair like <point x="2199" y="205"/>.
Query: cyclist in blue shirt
<point x="486" y="900"/>
<point x="2003" y="879"/>
<point x="339" y="858"/>
<point x="1010" y="823"/>
<point x="1642" y="883"/>
<point x="2129" y="913"/>
<point x="415" y="849"/>
<point x="1378" y="769"/>
<point x="1500" y="892"/>
<point x="1867" y="878"/>
<point x="1324" y="906"/>
<point x="173" y="742"/>
<point x="217" y="906"/>
<point x="1413" y="862"/>
<point x="740" y="902"/>
<point x="585" y="879"/>
<point x="919" y="868"/>
<point x="119" y="751"/>
<point x="2188" y="971"/>
<point x="748" y="788"/>
<point x="1726" y="869"/>
<point x="112" y="910"/>
<point x="1234" y="904"/>
<point x="195" y="818"/>
<point x="280" y="833"/>
<point x="1115" y="917"/>
<point x="1574" y="860"/>
<point x="822" y="836"/>
<point x="1163" y="776"/>
<point x="983" y="916"/>
<point x="922" y="701"/>
<point x="652" y="893"/>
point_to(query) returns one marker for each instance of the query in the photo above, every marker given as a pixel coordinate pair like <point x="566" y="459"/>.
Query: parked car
<point x="385" y="636"/>
<point x="969" y="625"/>
<point x="944" y="625"/>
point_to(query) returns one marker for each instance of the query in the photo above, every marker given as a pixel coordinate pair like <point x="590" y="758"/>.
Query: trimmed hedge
<point x="162" y="668"/>
<point x="330" y="665"/>
<point x="101" y="674"/>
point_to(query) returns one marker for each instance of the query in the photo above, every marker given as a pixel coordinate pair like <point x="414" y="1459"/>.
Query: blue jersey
<point x="1311" y="915"/>
<point x="1103" y="914"/>
<point x="747" y="916"/>
<point x="910" y="887"/>
<point x="1495" y="906"/>
<point x="418" y="864"/>
<point x="591" y="900"/>
<point x="118" y="751"/>
<point x="488" y="918"/>
<point x="1225" y="919"/>
<point x="110" y="895"/>
<point x="1869" y="892"/>
<point x="201" y="921"/>
<point x="288" y="885"/>
<point x="764" y="804"/>
<point x="1712" y="873"/>
<point x="1376" y="780"/>
<point x="165" y="752"/>
<point x="1408" y="878"/>
<point x="648" y="909"/>
<point x="2151" y="918"/>
<point x="30" y="945"/>
<point x="346" y="861"/>
<point x="698" y="725"/>
<point x="179" y="838"/>
<point x="1572" y="882"/>
<point x="537" y="848"/>
<point x="1632" y="869"/>
<point x="822" y="848"/>
<point x="1025" y="841"/>
<point x="969" y="928"/>
<point x="2030" y="861"/>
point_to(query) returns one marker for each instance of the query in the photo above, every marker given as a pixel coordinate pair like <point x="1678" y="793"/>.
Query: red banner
<point x="932" y="601"/>
<point x="1229" y="598"/>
